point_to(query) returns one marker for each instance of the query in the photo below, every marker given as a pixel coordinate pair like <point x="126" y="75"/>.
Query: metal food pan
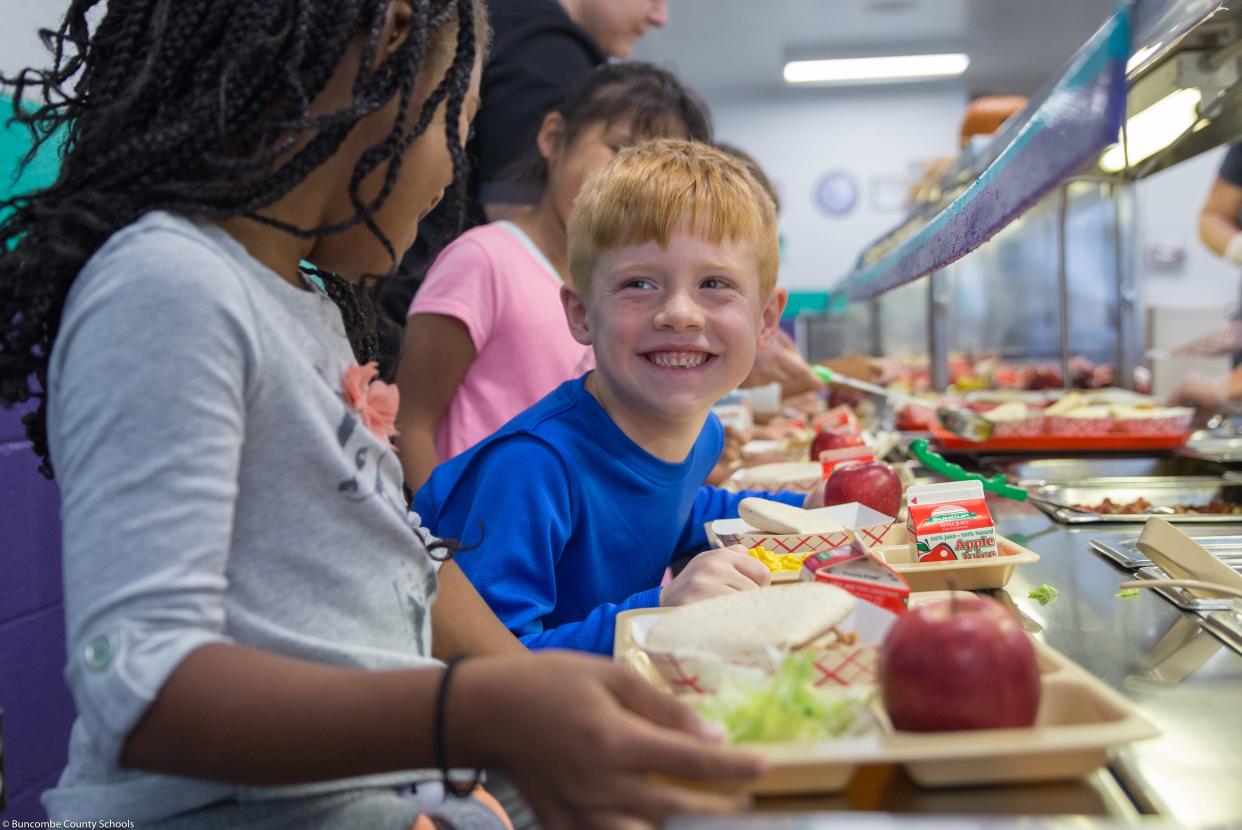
<point x="1038" y="471"/>
<point x="1161" y="492"/>
<point x="1125" y="552"/>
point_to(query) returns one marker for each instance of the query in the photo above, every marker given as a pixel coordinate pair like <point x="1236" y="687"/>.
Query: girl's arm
<point x="462" y="623"/>
<point x="579" y="735"/>
<point x="234" y="713"/>
<point x="437" y="352"/>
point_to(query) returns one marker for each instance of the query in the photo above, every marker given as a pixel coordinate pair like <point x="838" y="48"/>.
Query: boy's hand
<point x="716" y="572"/>
<point x="815" y="498"/>
<point x="581" y="738"/>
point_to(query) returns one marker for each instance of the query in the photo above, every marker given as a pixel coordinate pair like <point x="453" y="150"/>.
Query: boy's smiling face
<point x="674" y="329"/>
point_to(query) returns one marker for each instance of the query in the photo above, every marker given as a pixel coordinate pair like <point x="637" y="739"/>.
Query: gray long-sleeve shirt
<point x="215" y="488"/>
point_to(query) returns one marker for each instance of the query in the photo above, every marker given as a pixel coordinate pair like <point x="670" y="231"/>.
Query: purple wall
<point x="38" y="710"/>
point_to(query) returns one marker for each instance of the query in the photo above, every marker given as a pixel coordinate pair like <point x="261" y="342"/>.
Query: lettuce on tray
<point x="787" y="706"/>
<point x="1044" y="594"/>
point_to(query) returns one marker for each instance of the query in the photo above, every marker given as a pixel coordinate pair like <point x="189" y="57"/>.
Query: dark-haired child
<point x="486" y="336"/>
<point x="248" y="602"/>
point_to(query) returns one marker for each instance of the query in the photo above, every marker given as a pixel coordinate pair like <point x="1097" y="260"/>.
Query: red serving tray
<point x="1102" y="442"/>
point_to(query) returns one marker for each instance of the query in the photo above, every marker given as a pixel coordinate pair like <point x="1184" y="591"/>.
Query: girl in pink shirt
<point x="486" y="335"/>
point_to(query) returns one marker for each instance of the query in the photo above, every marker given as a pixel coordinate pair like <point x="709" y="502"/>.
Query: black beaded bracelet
<point x="455" y="789"/>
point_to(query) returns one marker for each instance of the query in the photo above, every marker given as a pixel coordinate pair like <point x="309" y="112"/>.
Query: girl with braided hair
<point x="248" y="600"/>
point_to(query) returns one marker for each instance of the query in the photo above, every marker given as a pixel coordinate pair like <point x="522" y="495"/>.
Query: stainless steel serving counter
<point x="1184" y="679"/>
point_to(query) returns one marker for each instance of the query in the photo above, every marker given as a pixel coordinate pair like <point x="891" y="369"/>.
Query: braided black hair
<point x="202" y="107"/>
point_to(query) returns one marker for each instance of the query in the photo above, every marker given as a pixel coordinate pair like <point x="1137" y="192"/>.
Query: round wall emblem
<point x="836" y="193"/>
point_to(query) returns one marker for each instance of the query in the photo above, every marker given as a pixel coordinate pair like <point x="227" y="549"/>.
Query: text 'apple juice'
<point x="949" y="522"/>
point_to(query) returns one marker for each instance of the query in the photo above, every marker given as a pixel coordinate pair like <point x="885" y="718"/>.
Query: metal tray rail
<point x="1125" y="552"/>
<point x="1226" y="626"/>
<point x="1181" y="597"/>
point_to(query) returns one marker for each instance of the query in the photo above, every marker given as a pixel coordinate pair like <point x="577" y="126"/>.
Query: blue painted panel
<point x="10" y="424"/>
<point x="29" y="535"/>
<point x="11" y="428"/>
<point x="1080" y="115"/>
<point x="26" y="806"/>
<point x="38" y="709"/>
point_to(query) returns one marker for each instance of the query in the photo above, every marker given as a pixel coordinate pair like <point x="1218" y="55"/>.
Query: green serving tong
<point x="997" y="484"/>
<point x="937" y="463"/>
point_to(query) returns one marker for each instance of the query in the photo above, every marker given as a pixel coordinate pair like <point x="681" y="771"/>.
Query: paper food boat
<point x="777" y="450"/>
<point x="869" y="525"/>
<point x="689" y="671"/>
<point x="854" y="569"/>
<point x="793" y="476"/>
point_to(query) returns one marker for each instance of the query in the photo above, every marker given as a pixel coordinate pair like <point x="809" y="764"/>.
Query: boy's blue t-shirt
<point x="573" y="521"/>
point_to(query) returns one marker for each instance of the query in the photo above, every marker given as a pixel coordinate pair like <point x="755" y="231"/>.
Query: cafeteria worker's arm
<point x="1218" y="220"/>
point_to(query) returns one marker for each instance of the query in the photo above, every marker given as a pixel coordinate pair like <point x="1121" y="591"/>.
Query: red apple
<point x="960" y="663"/>
<point x="833" y="439"/>
<point x="872" y="483"/>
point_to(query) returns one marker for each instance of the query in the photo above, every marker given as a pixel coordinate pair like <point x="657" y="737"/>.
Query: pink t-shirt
<point x="497" y="282"/>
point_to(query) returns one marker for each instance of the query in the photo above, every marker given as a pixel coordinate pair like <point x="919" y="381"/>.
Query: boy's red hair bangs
<point x="655" y="189"/>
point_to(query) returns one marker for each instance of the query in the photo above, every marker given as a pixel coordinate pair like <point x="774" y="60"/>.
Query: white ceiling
<point x="723" y="47"/>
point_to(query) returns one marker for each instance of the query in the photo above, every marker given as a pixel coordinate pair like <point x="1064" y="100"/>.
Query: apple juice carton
<point x="948" y="522"/>
<point x="851" y="568"/>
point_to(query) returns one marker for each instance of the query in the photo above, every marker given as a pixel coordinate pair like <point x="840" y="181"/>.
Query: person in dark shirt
<point x="540" y="49"/>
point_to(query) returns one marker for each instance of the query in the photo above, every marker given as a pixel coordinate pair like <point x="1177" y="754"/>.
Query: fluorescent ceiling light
<point x="1153" y="129"/>
<point x="1145" y="52"/>
<point x="894" y="68"/>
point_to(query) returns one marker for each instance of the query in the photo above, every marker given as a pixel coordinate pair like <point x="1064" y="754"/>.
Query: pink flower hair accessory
<point x="374" y="401"/>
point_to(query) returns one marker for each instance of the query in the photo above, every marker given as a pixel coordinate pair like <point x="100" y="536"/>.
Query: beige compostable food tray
<point x="1081" y="723"/>
<point x="962" y="575"/>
